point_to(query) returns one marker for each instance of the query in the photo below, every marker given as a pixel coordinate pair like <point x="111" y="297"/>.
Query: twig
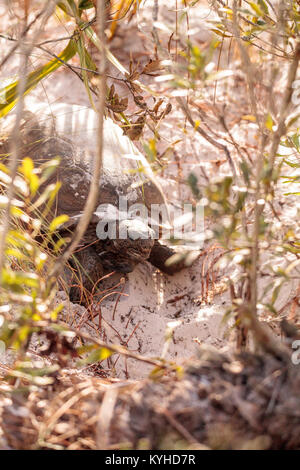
<point x="111" y="347"/>
<point x="15" y="137"/>
<point x="25" y="31"/>
<point x="178" y="426"/>
<point x="94" y="188"/>
<point x="247" y="65"/>
<point x="183" y="105"/>
<point x="285" y="104"/>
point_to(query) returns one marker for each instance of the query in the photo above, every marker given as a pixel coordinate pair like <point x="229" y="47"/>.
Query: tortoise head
<point x="123" y="254"/>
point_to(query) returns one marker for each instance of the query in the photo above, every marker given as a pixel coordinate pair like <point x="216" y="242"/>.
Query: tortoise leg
<point x="159" y="255"/>
<point x="87" y="272"/>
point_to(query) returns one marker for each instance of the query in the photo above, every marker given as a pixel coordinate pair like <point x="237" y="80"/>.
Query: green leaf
<point x="193" y="184"/>
<point x="269" y="122"/>
<point x="57" y="246"/>
<point x="85" y="62"/>
<point x="18" y="279"/>
<point x="48" y="168"/>
<point x="85" y="4"/>
<point x="48" y="195"/>
<point x="69" y="7"/>
<point x="19" y="214"/>
<point x="10" y="92"/>
<point x="23" y="333"/>
<point x="61" y="219"/>
<point x="221" y="33"/>
<point x="292" y="164"/>
<point x="56" y="311"/>
<point x="263" y="5"/>
<point x="98" y="355"/>
<point x="256" y="8"/>
<point x="15" y="253"/>
<point x="275" y="293"/>
<point x="271" y="308"/>
<point x="27" y="168"/>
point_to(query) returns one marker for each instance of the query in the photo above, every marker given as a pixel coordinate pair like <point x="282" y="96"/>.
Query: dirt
<point x="221" y="402"/>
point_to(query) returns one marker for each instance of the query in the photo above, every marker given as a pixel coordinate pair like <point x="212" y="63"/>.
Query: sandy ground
<point x="194" y="301"/>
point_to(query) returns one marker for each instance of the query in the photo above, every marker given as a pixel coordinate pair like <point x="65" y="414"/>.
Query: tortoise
<point x="69" y="132"/>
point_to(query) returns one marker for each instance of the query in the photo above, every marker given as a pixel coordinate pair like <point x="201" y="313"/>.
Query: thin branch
<point x="247" y="64"/>
<point x="15" y="136"/>
<point x="23" y="35"/>
<point x="272" y="155"/>
<point x="285" y="104"/>
<point x="111" y="347"/>
<point x="183" y="105"/>
<point x="97" y="167"/>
